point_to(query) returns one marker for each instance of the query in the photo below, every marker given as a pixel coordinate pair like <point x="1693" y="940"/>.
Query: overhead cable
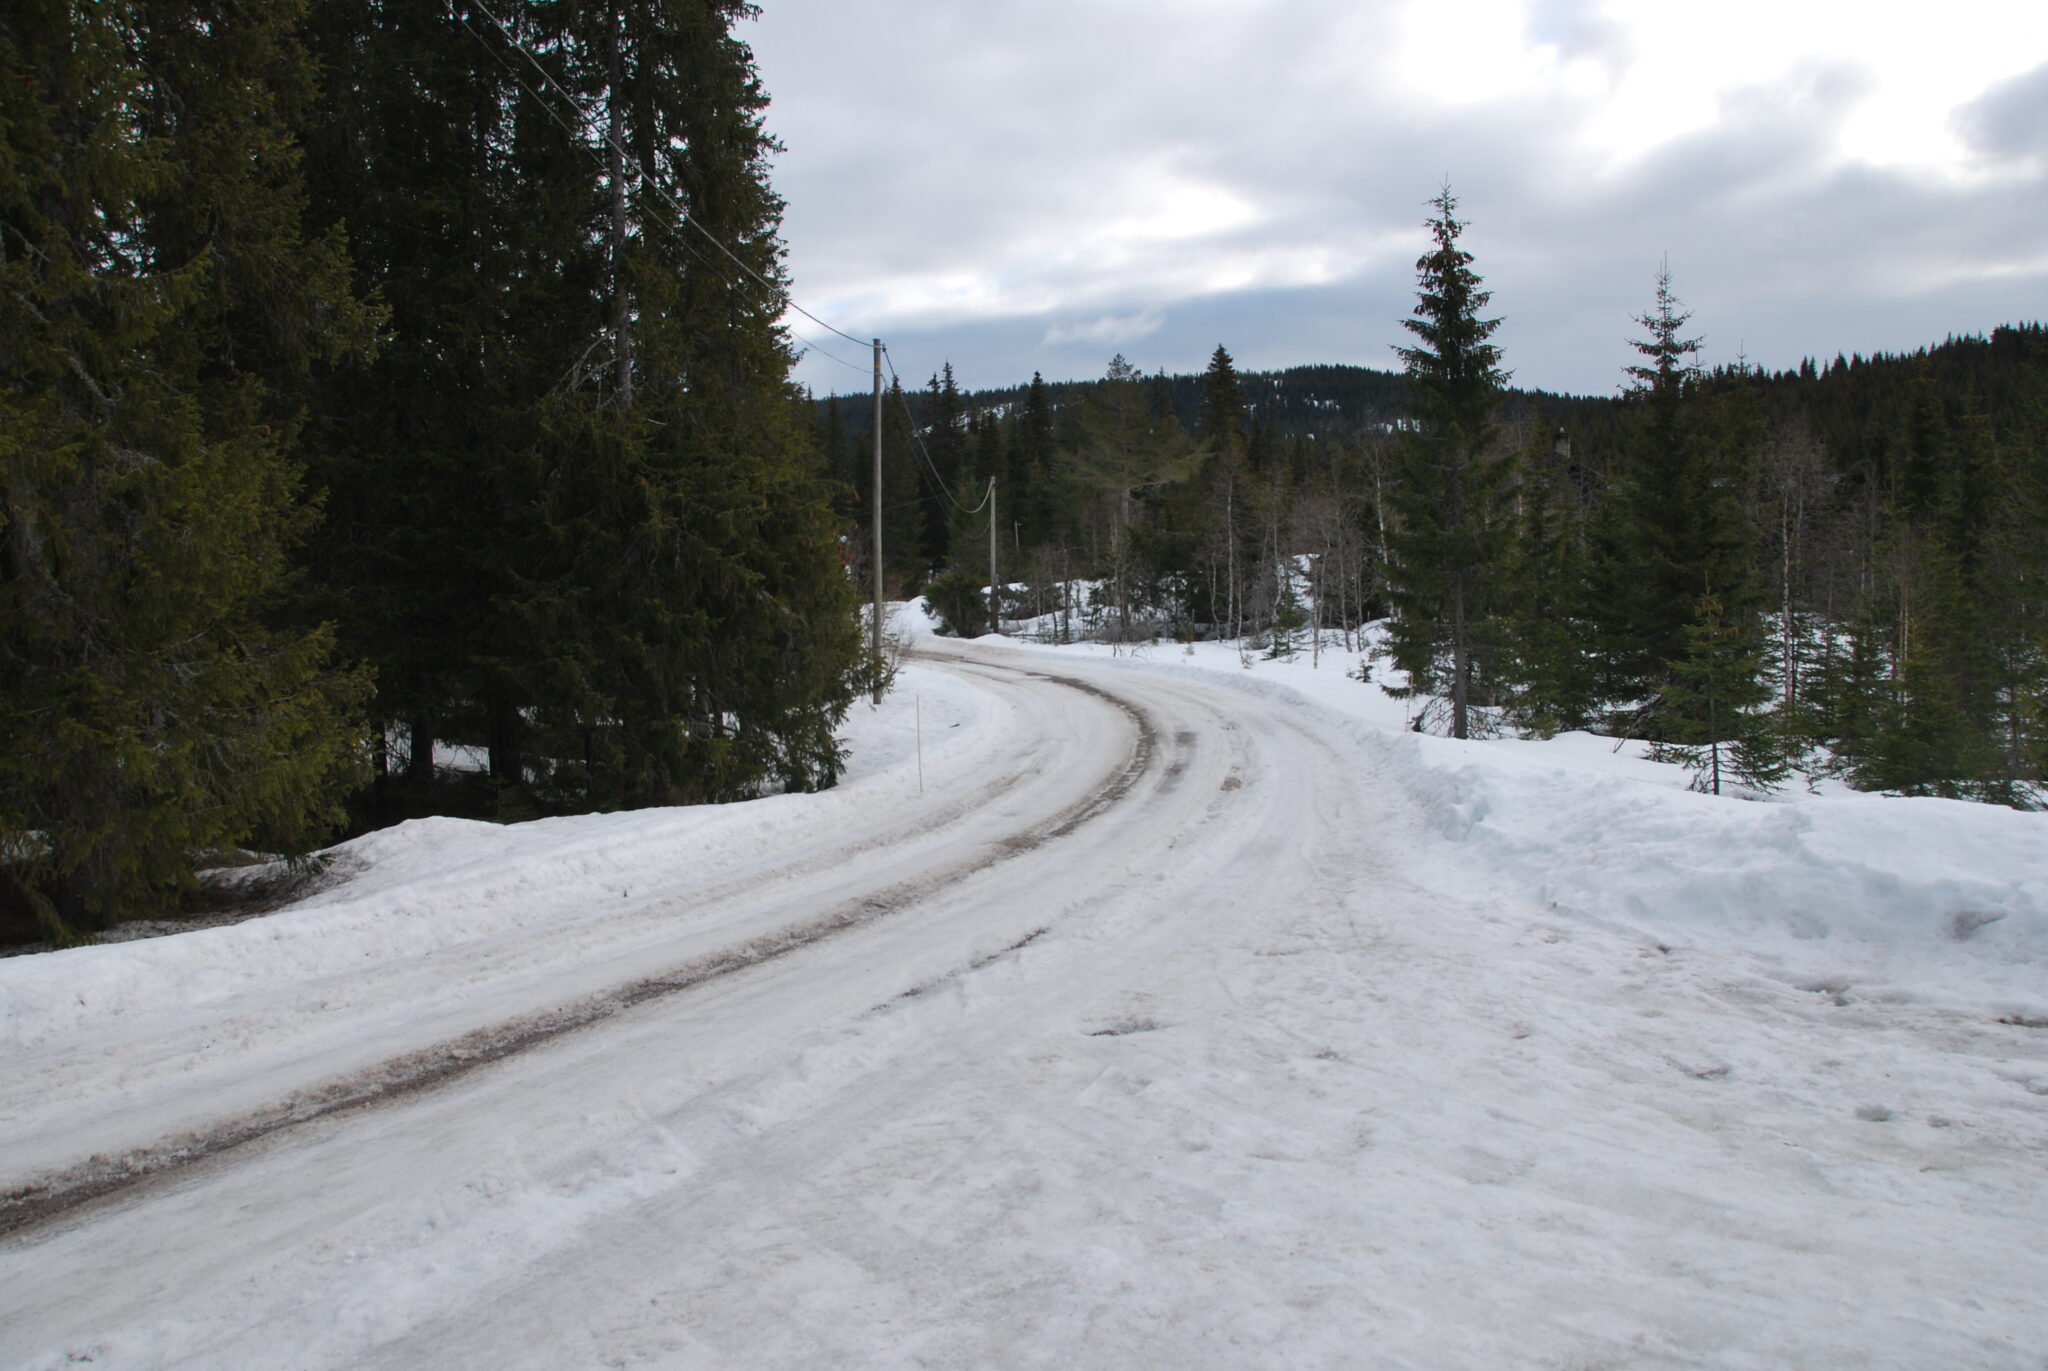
<point x="781" y="291"/>
<point x="910" y="422"/>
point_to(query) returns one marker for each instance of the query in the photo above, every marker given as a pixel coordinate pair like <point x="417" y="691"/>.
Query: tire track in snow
<point x="52" y="1193"/>
<point x="747" y="1135"/>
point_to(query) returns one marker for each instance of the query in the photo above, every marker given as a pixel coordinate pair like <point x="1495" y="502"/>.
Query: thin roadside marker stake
<point x="918" y="702"/>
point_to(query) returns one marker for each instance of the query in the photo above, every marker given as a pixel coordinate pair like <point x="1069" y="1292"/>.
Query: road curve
<point x="102" y="1110"/>
<point x="736" y="1036"/>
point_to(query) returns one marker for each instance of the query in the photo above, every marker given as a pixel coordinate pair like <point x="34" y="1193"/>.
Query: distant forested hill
<point x="1846" y="562"/>
<point x="1854" y="401"/>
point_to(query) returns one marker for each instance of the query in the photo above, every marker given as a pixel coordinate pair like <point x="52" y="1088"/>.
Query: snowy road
<point x="1153" y="1028"/>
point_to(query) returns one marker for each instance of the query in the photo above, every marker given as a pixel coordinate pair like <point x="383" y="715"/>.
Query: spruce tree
<point x="2020" y="566"/>
<point x="1547" y="669"/>
<point x="945" y="446"/>
<point x="575" y="514"/>
<point x="477" y="219"/>
<point x="1447" y="529"/>
<point x="1221" y="416"/>
<point x="1230" y="544"/>
<point x="850" y="474"/>
<point x="1128" y="449"/>
<point x="903" y="487"/>
<point x="1034" y="447"/>
<point x="1646" y="583"/>
<point x="1672" y="531"/>
<point x="161" y="304"/>
<point x="1932" y="736"/>
<point x="1713" y="706"/>
<point x="1951" y="615"/>
<point x="728" y="649"/>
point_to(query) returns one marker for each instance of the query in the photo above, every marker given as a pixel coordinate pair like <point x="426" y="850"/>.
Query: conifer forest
<point x="1840" y="568"/>
<point x="390" y="385"/>
<point x="382" y="380"/>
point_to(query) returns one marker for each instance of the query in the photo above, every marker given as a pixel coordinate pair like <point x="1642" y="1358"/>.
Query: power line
<point x="547" y="107"/>
<point x="823" y="351"/>
<point x="781" y="291"/>
<point x="910" y="422"/>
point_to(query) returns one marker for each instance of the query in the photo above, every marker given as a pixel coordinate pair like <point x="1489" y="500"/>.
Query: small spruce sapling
<point x="1713" y="706"/>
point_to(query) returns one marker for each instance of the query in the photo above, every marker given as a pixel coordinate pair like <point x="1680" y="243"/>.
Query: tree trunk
<point x="1461" y="659"/>
<point x="615" y="139"/>
<point x="507" y="729"/>
<point x="419" y="766"/>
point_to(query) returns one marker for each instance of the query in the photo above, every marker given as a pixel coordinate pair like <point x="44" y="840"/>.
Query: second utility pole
<point x="875" y="502"/>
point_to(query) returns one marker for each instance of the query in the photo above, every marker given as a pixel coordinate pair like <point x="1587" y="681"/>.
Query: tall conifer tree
<point x="1129" y="448"/>
<point x="1672" y="531"/>
<point x="945" y="447"/>
<point x="160" y="302"/>
<point x="1548" y="670"/>
<point x="1448" y="527"/>
<point x="1231" y="543"/>
<point x="476" y="217"/>
<point x="1037" y="498"/>
<point x="903" y="487"/>
<point x="718" y="626"/>
<point x="576" y="514"/>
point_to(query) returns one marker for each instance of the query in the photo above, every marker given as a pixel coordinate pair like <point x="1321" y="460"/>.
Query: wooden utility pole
<point x="995" y="600"/>
<point x="875" y="507"/>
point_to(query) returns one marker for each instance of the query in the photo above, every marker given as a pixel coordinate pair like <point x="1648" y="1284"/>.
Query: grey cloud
<point x="943" y="139"/>
<point x="2010" y="119"/>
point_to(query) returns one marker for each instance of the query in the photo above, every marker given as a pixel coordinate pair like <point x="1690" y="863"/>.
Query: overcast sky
<point x="1021" y="187"/>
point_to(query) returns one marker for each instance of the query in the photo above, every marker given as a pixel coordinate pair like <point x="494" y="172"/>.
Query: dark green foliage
<point x="1935" y="690"/>
<point x="1671" y="528"/>
<point x="1224" y="547"/>
<point x="1913" y="703"/>
<point x="1130" y="449"/>
<point x="1712" y="705"/>
<point x="575" y="515"/>
<point x="1223" y="414"/>
<point x="1035" y="493"/>
<point x="943" y="421"/>
<point x="1934" y="733"/>
<point x="1289" y="619"/>
<point x="473" y="215"/>
<point x="1872" y="534"/>
<point x="1445" y="549"/>
<point x="1549" y="675"/>
<point x="903" y="504"/>
<point x="161" y="305"/>
<point x="960" y="601"/>
<point x="1847" y="692"/>
<point x="729" y="647"/>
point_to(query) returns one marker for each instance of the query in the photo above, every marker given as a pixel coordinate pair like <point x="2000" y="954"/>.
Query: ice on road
<point x="1109" y="1015"/>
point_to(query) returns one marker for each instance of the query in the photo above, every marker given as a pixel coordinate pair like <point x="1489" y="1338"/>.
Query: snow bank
<point x="1854" y="895"/>
<point x="1907" y="899"/>
<point x="444" y="886"/>
<point x="1912" y="900"/>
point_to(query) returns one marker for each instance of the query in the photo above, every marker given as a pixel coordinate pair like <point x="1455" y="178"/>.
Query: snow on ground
<point x="1329" y="1045"/>
<point x="441" y="927"/>
<point x="429" y="884"/>
<point x="1850" y="894"/>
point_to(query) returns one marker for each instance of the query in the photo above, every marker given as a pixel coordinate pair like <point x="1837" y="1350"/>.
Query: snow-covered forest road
<point x="1105" y="1016"/>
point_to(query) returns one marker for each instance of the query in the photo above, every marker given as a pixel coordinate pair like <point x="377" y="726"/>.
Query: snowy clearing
<point x="1183" y="1014"/>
